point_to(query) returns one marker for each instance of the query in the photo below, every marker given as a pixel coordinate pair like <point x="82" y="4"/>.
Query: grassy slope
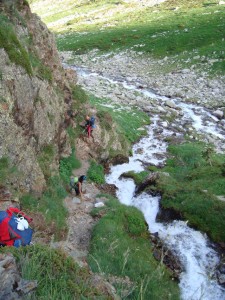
<point x="196" y="178"/>
<point x="178" y="29"/>
<point x="57" y="276"/>
<point x="131" y="258"/>
<point x="128" y="119"/>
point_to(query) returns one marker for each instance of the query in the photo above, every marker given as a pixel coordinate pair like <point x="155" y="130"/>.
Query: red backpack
<point x="11" y="234"/>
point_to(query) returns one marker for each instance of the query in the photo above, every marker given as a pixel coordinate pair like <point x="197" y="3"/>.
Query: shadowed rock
<point x="12" y="286"/>
<point x="150" y="180"/>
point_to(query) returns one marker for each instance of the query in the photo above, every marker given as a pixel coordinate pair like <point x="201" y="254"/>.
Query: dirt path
<point x="80" y="222"/>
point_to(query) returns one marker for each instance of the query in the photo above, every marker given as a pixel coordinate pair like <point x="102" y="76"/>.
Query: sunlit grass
<point x="187" y="31"/>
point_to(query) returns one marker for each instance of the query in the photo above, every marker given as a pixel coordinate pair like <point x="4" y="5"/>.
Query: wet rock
<point x="99" y="204"/>
<point x="150" y="180"/>
<point x="139" y="151"/>
<point x="119" y="160"/>
<point x="108" y="188"/>
<point x="170" y="104"/>
<point x="220" y="273"/>
<point x="161" y="253"/>
<point x="219" y="114"/>
<point x="167" y="215"/>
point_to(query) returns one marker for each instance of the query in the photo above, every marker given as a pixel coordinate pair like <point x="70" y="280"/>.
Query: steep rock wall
<point x="35" y="92"/>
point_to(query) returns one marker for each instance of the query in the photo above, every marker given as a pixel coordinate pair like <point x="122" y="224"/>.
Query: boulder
<point x="119" y="159"/>
<point x="170" y="104"/>
<point x="151" y="179"/>
<point x="219" y="114"/>
<point x="12" y="286"/>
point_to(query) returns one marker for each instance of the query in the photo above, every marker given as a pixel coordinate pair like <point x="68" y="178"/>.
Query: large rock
<point x="150" y="180"/>
<point x="170" y="104"/>
<point x="33" y="103"/>
<point x="218" y="113"/>
<point x="12" y="286"/>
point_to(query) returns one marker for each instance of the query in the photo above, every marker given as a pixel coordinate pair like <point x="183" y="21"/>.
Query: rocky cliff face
<point x="36" y="101"/>
<point x="35" y="92"/>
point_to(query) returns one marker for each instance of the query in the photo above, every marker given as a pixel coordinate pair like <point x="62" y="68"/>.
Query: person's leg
<point x="89" y="130"/>
<point x="77" y="191"/>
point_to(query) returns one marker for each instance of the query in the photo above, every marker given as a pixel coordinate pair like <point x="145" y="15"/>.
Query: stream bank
<point x="190" y="85"/>
<point x="171" y="119"/>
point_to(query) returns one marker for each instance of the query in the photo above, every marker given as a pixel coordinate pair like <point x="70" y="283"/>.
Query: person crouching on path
<point x="78" y="186"/>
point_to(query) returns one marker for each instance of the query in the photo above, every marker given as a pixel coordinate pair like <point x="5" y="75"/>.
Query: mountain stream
<point x="194" y="250"/>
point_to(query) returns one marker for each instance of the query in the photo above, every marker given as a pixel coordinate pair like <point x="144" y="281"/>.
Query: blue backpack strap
<point x="3" y="215"/>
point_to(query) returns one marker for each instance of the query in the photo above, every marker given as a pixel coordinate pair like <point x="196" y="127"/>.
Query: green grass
<point x="39" y="68"/>
<point x="192" y="186"/>
<point x="137" y="177"/>
<point x="9" y="41"/>
<point x="79" y="96"/>
<point x="50" y="205"/>
<point x="120" y="247"/>
<point x="57" y="276"/>
<point x="191" y="34"/>
<point x="95" y="173"/>
<point x="128" y="119"/>
<point x="7" y="170"/>
<point x="45" y="159"/>
<point x="67" y="164"/>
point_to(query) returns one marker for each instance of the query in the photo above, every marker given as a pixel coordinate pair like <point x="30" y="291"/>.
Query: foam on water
<point x="198" y="259"/>
<point x="190" y="246"/>
<point x="211" y="127"/>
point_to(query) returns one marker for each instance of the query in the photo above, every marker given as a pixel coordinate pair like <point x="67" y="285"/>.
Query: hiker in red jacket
<point x="89" y="125"/>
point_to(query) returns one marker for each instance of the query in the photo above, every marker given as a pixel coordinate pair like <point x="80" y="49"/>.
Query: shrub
<point x="50" y="205"/>
<point x="96" y="173"/>
<point x="137" y="177"/>
<point x="9" y="41"/>
<point x="196" y="177"/>
<point x="67" y="164"/>
<point x="135" y="223"/>
<point x="43" y="71"/>
<point x="128" y="120"/>
<point x="45" y="158"/>
<point x="115" y="252"/>
<point x="57" y="275"/>
<point x="79" y="95"/>
<point x="6" y="170"/>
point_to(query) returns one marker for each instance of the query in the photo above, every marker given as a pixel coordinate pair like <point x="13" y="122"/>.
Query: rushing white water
<point x="190" y="246"/>
<point x="199" y="260"/>
<point x="200" y="118"/>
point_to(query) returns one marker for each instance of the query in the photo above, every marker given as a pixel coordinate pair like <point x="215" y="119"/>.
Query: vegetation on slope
<point x="187" y="31"/>
<point x="13" y="47"/>
<point x="196" y="179"/>
<point x="120" y="248"/>
<point x="58" y="276"/>
<point x="129" y="120"/>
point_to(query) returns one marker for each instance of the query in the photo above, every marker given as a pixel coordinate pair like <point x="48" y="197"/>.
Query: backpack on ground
<point x="14" y="228"/>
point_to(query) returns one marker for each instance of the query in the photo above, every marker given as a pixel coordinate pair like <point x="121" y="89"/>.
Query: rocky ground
<point x="131" y="79"/>
<point x="189" y="84"/>
<point x="111" y="75"/>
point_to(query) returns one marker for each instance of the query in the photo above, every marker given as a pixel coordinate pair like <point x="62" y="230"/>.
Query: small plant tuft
<point x="96" y="173"/>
